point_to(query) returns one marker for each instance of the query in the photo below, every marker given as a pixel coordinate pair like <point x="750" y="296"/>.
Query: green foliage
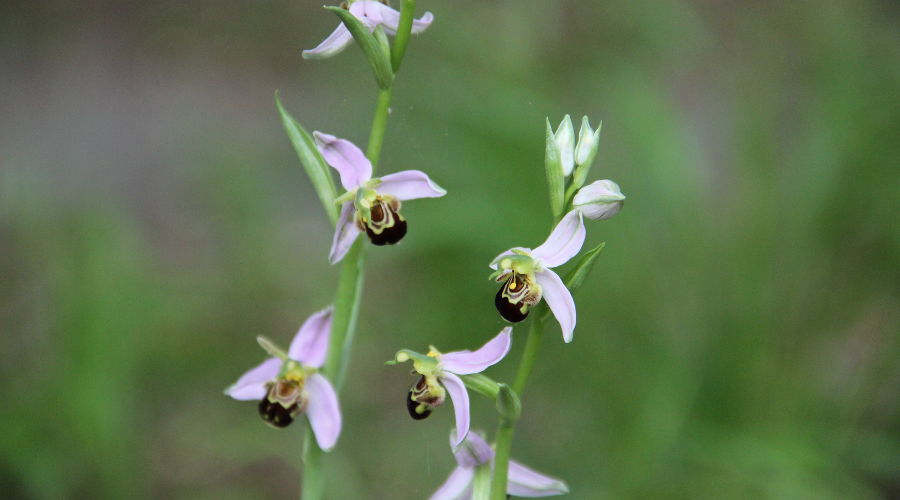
<point x="736" y="339"/>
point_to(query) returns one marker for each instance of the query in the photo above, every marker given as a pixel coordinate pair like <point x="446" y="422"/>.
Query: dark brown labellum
<point x="274" y="414"/>
<point x="386" y="226"/>
<point x="513" y="313"/>
<point x="413" y="407"/>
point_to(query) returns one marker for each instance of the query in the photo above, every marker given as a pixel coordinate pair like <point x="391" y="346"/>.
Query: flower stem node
<point x="289" y="384"/>
<point x="370" y="205"/>
<point x="439" y="377"/>
<point x="527" y="276"/>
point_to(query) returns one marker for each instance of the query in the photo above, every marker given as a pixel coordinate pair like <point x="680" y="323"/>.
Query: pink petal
<point x="323" y="411"/>
<point x="345" y="233"/>
<point x="252" y="384"/>
<point x="473" y="452"/>
<point x="457" y="487"/>
<point x="460" y="398"/>
<point x="564" y="242"/>
<point x="311" y="342"/>
<point x="346" y="158"/>
<point x="560" y="301"/>
<point x="409" y="185"/>
<point x="467" y="362"/>
<point x="389" y="18"/>
<point x="335" y="43"/>
<point x="525" y="482"/>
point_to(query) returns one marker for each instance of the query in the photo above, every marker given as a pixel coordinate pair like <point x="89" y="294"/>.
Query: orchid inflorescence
<point x="305" y="379"/>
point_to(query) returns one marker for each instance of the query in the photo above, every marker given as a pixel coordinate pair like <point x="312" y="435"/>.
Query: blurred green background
<point x="737" y="339"/>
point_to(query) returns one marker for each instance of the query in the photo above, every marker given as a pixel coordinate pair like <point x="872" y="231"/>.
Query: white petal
<point x="457" y="487"/>
<point x="560" y="301"/>
<point x="252" y="384"/>
<point x="310" y="345"/>
<point x="323" y="411"/>
<point x="525" y="482"/>
<point x="345" y="234"/>
<point x="564" y="242"/>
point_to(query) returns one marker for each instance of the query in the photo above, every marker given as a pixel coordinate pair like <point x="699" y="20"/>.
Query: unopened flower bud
<point x="588" y="141"/>
<point x="599" y="200"/>
<point x="565" y="142"/>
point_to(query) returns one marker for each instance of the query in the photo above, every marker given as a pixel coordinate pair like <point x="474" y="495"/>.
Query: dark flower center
<point x="283" y="401"/>
<point x="517" y="294"/>
<point x="385" y="226"/>
<point x="422" y="398"/>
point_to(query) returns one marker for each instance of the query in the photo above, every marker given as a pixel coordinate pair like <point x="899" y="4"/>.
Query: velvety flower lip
<point x="380" y="197"/>
<point x="296" y="374"/>
<point x="372" y="14"/>
<point x="439" y="373"/>
<point x="528" y="277"/>
<point x="475" y="452"/>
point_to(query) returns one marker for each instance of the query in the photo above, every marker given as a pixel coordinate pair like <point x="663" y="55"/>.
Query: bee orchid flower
<point x="370" y="205"/>
<point x="475" y="452"/>
<point x="289" y="384"/>
<point x="372" y="14"/>
<point x="527" y="276"/>
<point x="439" y="376"/>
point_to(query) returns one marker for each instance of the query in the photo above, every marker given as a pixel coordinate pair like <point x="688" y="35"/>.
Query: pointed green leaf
<point x="312" y="161"/>
<point x="582" y="268"/>
<point x="374" y="49"/>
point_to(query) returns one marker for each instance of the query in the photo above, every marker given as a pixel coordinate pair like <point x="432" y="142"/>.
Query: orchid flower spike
<point x="372" y="14"/>
<point x="439" y="376"/>
<point x="527" y="276"/>
<point x="476" y="452"/>
<point x="289" y="383"/>
<point x="599" y="200"/>
<point x="370" y="205"/>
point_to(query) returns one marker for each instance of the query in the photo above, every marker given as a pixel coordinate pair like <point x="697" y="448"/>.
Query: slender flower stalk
<point x="352" y="273"/>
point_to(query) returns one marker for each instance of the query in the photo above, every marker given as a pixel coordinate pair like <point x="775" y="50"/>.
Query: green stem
<point x="350" y="282"/>
<point x="505" y="431"/>
<point x="379" y="125"/>
<point x="404" y="29"/>
<point x="532" y="345"/>
<point x="501" y="459"/>
<point x="481" y="483"/>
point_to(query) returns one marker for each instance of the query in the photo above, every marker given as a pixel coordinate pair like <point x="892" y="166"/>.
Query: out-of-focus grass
<point x="738" y="338"/>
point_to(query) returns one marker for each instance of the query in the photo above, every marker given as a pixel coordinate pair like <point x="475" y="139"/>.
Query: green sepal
<point x="555" y="178"/>
<point x="582" y="268"/>
<point x="508" y="404"/>
<point x="374" y="46"/>
<point x="482" y="384"/>
<point x="422" y="363"/>
<point x="318" y="171"/>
